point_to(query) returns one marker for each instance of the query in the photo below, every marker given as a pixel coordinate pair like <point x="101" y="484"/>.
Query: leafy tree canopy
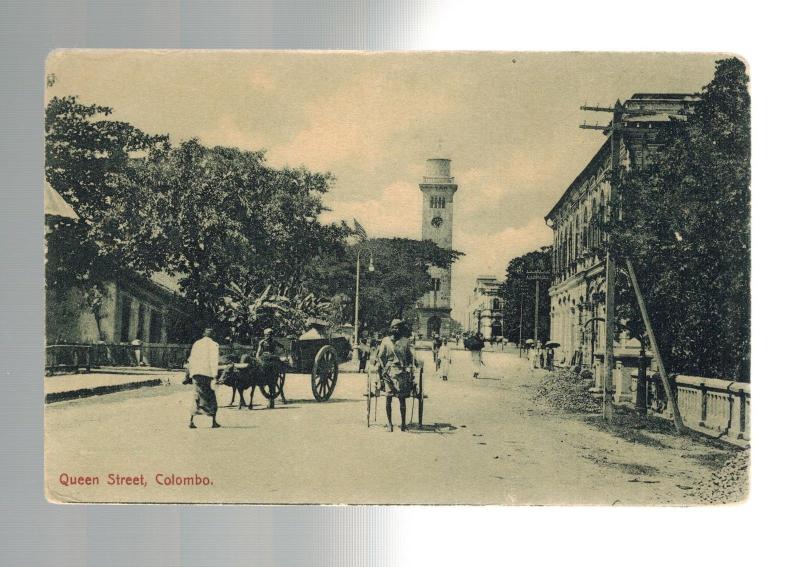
<point x="686" y="227"/>
<point x="400" y="278"/>
<point x="518" y="295"/>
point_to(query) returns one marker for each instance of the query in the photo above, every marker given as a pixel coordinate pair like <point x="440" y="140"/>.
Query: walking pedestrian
<point x="396" y="363"/>
<point x="363" y="355"/>
<point x="532" y="356"/>
<point x="203" y="367"/>
<point x="475" y="346"/>
<point x="437" y="345"/>
<point x="444" y="360"/>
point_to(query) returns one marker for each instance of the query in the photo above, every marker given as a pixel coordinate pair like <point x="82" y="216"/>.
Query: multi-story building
<point x="438" y="187"/>
<point x="577" y="293"/>
<point x="485" y="308"/>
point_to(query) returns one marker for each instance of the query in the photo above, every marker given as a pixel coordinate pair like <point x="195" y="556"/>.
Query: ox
<point x="251" y="374"/>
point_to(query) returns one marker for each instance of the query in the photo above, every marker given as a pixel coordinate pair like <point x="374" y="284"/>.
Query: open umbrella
<point x="529" y="341"/>
<point x="552" y="344"/>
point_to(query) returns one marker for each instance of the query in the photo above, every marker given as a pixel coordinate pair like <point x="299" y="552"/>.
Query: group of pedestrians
<point x="540" y="355"/>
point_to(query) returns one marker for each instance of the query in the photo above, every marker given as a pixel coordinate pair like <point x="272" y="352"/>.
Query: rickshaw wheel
<point x="324" y="373"/>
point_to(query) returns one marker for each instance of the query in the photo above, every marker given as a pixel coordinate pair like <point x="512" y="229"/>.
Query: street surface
<point x="483" y="442"/>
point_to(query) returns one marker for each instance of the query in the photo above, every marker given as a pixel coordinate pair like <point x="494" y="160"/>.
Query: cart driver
<point x="395" y="365"/>
<point x="266" y="347"/>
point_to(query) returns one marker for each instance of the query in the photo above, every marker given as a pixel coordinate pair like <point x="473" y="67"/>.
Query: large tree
<point x="88" y="160"/>
<point x="234" y="219"/>
<point x="398" y="280"/>
<point x="215" y="217"/>
<point x="519" y="299"/>
<point x="686" y="228"/>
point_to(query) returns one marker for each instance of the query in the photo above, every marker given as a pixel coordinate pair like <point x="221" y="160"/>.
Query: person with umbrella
<point x="551" y="354"/>
<point x="475" y="346"/>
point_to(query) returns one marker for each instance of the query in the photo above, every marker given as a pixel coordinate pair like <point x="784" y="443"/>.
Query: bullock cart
<point x="319" y="358"/>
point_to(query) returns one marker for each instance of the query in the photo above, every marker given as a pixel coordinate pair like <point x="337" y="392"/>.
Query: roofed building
<point x="577" y="293"/>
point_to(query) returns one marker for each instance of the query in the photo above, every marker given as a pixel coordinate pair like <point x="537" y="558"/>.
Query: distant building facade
<point x="485" y="309"/>
<point x="433" y="310"/>
<point x="577" y="293"/>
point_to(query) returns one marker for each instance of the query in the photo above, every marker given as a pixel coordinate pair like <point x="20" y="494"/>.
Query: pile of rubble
<point x="566" y="391"/>
<point x="728" y="484"/>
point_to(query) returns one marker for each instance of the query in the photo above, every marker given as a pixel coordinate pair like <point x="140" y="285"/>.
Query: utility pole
<point x="358" y="278"/>
<point x="615" y="130"/>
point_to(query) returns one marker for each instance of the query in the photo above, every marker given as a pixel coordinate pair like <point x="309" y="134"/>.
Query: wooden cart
<point x="320" y="358"/>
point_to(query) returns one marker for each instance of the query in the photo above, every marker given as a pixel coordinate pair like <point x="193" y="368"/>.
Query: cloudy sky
<point x="508" y="121"/>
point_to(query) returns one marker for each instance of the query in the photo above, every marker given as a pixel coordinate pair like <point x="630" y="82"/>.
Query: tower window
<point x="437" y="202"/>
<point x="436" y="284"/>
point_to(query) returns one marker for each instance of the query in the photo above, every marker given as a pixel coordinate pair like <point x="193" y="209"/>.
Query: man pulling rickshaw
<point x="396" y="366"/>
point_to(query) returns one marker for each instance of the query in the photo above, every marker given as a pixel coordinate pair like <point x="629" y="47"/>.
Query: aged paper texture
<point x="397" y="278"/>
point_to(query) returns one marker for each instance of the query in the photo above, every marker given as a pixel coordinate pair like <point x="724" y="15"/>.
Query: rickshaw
<point x="374" y="392"/>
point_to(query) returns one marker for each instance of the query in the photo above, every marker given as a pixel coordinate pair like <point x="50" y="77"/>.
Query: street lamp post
<point x="370" y="268"/>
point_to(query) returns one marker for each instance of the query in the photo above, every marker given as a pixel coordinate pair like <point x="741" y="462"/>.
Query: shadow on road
<point x="440" y="428"/>
<point x="331" y="401"/>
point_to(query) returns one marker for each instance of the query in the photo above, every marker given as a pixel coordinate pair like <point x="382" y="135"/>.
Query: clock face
<point x="437" y="222"/>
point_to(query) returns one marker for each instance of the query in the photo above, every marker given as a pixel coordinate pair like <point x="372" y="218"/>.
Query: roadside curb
<point x="101" y="390"/>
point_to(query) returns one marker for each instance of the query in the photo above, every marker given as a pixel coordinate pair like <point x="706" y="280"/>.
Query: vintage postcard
<point x="397" y="278"/>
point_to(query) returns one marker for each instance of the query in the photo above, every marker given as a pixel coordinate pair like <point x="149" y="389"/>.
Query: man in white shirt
<point x="203" y="367"/>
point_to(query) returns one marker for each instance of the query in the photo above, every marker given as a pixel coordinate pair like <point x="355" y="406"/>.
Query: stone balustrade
<point x="720" y="408"/>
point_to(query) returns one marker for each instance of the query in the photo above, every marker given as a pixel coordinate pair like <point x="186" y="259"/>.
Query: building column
<point x="133" y="324"/>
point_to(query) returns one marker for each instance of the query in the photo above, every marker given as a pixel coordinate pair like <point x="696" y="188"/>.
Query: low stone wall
<point x="720" y="408"/>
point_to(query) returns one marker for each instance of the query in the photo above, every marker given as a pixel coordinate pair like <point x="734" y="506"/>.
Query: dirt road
<point x="483" y="442"/>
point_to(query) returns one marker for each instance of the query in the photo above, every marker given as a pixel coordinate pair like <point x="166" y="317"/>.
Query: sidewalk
<point x="105" y="381"/>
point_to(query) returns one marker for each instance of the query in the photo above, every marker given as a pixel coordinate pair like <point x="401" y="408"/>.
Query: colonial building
<point x="577" y="293"/>
<point x="485" y="309"/>
<point x="438" y="188"/>
<point x="132" y="307"/>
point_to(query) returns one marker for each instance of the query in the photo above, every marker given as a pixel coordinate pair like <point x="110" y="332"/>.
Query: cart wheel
<point x="324" y="373"/>
<point x="280" y="380"/>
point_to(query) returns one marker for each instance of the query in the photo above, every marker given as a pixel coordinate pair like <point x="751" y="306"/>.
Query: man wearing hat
<point x="395" y="362"/>
<point x="203" y="367"/>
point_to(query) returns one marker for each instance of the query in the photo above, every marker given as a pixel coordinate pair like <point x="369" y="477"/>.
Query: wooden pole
<point x="521" y="305"/>
<point x="662" y="370"/>
<point x="358" y="274"/>
<point x="611" y="267"/>
<point x="536" y="316"/>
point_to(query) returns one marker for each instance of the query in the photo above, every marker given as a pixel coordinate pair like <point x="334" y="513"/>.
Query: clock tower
<point x="438" y="188"/>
